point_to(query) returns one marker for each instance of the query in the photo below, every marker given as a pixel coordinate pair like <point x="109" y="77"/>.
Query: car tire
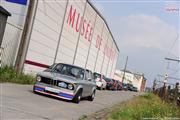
<point x="101" y="87"/>
<point x="91" y="98"/>
<point x="77" y="97"/>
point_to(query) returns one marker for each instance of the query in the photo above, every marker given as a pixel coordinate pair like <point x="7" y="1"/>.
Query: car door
<point x="89" y="82"/>
<point x="84" y="83"/>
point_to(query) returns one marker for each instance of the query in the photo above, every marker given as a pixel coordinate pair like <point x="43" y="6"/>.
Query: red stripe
<point x="36" y="64"/>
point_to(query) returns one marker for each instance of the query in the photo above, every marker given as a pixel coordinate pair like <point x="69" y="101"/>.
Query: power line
<point x="173" y="44"/>
<point x="169" y="77"/>
<point x="171" y="59"/>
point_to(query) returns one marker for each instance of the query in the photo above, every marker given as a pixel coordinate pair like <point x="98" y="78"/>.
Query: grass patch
<point x="8" y="74"/>
<point x="145" y="106"/>
<point x="84" y="117"/>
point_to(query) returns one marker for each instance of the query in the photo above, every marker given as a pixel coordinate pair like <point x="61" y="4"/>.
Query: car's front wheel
<point x="91" y="98"/>
<point x="77" y="97"/>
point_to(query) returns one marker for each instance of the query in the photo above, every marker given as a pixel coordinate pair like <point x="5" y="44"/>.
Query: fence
<point x="168" y="93"/>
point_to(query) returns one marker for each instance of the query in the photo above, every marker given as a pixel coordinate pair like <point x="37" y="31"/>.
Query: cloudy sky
<point x="146" y="32"/>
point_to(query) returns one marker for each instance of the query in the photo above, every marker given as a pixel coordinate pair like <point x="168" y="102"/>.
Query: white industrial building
<point x="137" y="80"/>
<point x="67" y="31"/>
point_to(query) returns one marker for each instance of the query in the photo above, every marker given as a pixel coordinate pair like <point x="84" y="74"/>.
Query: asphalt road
<point x="18" y="102"/>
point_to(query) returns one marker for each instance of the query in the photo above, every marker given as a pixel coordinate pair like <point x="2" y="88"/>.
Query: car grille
<point x="50" y="81"/>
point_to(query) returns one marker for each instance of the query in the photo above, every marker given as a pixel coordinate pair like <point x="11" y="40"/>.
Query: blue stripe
<point x="22" y="2"/>
<point x="66" y="95"/>
<point x="39" y="89"/>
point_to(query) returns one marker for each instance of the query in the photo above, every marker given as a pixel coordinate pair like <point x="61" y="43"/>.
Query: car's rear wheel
<point x="78" y="97"/>
<point x="91" y="98"/>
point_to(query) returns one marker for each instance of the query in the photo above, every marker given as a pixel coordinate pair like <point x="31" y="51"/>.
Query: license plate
<point x="52" y="89"/>
<point x="62" y="84"/>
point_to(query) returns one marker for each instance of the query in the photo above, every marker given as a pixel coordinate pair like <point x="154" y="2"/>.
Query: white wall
<point x="84" y="42"/>
<point x="45" y="34"/>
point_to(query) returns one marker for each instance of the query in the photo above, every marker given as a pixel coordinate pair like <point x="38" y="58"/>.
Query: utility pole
<point x="154" y="85"/>
<point x="26" y="34"/>
<point x="124" y="70"/>
<point x="164" y="95"/>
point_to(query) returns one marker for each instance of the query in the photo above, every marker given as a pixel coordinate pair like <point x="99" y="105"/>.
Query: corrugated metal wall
<point x="45" y="34"/>
<point x="76" y="35"/>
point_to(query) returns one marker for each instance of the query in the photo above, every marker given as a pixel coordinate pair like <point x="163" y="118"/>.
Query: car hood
<point x="57" y="76"/>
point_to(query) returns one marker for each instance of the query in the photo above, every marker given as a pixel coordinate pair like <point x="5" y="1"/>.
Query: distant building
<point x="118" y="75"/>
<point x="137" y="80"/>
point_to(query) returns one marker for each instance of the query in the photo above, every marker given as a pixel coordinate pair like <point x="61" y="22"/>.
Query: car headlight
<point x="38" y="78"/>
<point x="70" y="86"/>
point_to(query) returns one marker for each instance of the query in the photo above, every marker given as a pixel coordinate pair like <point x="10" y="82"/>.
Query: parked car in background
<point x="125" y="86"/>
<point x="67" y="82"/>
<point x="134" y="89"/>
<point x="115" y="84"/>
<point x="129" y="86"/>
<point x="100" y="82"/>
<point x="119" y="85"/>
<point x="109" y="83"/>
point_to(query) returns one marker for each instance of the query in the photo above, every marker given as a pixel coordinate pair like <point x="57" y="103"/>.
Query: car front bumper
<point x="53" y="92"/>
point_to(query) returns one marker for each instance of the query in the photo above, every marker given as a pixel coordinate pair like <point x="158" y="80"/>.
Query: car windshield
<point x="124" y="84"/>
<point x="107" y="79"/>
<point x="130" y="85"/>
<point x="96" y="75"/>
<point x="50" y="67"/>
<point x="69" y="70"/>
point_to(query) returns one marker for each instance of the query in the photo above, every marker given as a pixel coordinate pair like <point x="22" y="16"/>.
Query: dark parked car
<point x="134" y="89"/>
<point x="125" y="86"/>
<point x="119" y="85"/>
<point x="115" y="84"/>
<point x="129" y="87"/>
<point x="67" y="82"/>
<point x="109" y="83"/>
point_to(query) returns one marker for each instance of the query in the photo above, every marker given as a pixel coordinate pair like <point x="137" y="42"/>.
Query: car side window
<point x="80" y="75"/>
<point x="58" y="68"/>
<point x="88" y="75"/>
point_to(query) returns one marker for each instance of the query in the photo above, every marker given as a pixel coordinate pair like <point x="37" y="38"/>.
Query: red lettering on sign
<point x="78" y="23"/>
<point x="83" y="28"/>
<point x="90" y="34"/>
<point x="86" y="30"/>
<point x="87" y="27"/>
<point x="112" y="55"/>
<point x="105" y="49"/>
<point x="71" y="17"/>
<point x="98" y="42"/>
<point x="109" y="52"/>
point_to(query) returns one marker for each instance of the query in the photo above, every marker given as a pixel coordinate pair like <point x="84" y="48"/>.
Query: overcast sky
<point x="146" y="32"/>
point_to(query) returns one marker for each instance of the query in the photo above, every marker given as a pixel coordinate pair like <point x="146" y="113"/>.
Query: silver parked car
<point x="67" y="82"/>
